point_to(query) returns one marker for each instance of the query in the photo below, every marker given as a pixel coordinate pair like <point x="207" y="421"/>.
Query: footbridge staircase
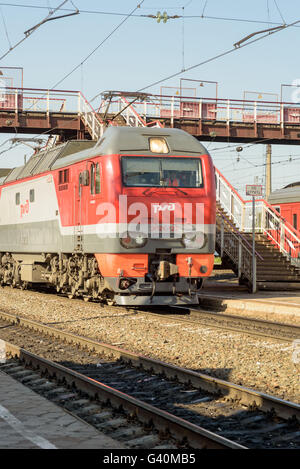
<point x="277" y="244"/>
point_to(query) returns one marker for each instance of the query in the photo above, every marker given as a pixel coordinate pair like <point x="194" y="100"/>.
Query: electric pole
<point x="268" y="170"/>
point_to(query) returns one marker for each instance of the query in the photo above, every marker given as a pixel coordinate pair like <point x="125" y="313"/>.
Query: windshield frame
<point x="163" y="157"/>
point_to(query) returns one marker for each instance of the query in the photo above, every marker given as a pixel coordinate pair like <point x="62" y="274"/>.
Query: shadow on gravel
<point x="211" y="411"/>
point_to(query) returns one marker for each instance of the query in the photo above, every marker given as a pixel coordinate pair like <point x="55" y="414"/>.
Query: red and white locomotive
<point x="129" y="220"/>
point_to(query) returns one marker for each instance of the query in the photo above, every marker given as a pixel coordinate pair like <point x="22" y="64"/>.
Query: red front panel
<point x="198" y="261"/>
<point x="125" y="265"/>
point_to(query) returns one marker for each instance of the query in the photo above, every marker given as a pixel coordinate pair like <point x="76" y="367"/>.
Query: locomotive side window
<point x="98" y="180"/>
<point x="162" y="172"/>
<point x="18" y="198"/>
<point x="95" y="179"/>
<point x="31" y="195"/>
<point x="63" y="176"/>
<point x="92" y="179"/>
<point x="295" y="221"/>
<point x="277" y="207"/>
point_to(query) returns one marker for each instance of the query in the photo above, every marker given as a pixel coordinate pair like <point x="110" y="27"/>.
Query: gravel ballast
<point x="257" y="363"/>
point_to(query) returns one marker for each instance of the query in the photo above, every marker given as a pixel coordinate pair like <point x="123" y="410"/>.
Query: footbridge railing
<point x="144" y="109"/>
<point x="267" y="220"/>
<point x="167" y="107"/>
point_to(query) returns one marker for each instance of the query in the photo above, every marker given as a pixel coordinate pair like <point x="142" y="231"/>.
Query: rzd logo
<point x="25" y="208"/>
<point x="163" y="207"/>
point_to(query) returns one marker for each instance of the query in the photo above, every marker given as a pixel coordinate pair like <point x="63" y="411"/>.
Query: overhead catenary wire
<point x="178" y="73"/>
<point x="183" y="31"/>
<point x="222" y="54"/>
<point x="48" y="132"/>
<point x="264" y="164"/>
<point x="110" y="13"/>
<point x="98" y="46"/>
<point x="34" y="28"/>
<point x="279" y="11"/>
<point x="244" y="145"/>
<point x="204" y="7"/>
<point x="171" y="76"/>
<point x="5" y="28"/>
<point x="268" y="12"/>
<point x="218" y="56"/>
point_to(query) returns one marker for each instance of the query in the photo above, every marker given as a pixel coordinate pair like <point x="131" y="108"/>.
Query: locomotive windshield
<point x="161" y="172"/>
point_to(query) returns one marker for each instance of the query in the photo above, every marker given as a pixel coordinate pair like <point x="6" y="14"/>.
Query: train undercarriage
<point x="77" y="275"/>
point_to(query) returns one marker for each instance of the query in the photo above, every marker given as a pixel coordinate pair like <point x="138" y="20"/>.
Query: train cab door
<point x="81" y="194"/>
<point x="88" y="197"/>
<point x="95" y="191"/>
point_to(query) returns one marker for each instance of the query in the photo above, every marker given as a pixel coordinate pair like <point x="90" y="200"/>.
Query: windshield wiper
<point x="177" y="188"/>
<point x="155" y="189"/>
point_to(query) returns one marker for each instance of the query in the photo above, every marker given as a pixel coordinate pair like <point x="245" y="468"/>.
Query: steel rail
<point x="163" y="421"/>
<point x="293" y="331"/>
<point x="246" y="396"/>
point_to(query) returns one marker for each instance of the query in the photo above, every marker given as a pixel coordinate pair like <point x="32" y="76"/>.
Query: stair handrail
<point x="95" y="125"/>
<point x="278" y="215"/>
<point x="268" y="221"/>
<point x="238" y="250"/>
<point x="282" y="234"/>
<point x="233" y="203"/>
<point x="130" y="108"/>
<point x="239" y="235"/>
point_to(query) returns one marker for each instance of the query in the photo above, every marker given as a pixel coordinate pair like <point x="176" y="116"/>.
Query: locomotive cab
<point x="164" y="194"/>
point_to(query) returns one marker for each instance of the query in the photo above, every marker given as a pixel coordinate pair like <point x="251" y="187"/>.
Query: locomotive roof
<point x="123" y="139"/>
<point x="118" y="140"/>
<point x="3" y="173"/>
<point x="290" y="193"/>
<point x="115" y="140"/>
<point x="44" y="160"/>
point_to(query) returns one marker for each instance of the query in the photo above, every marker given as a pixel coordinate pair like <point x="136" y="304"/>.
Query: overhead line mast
<point x="268" y="170"/>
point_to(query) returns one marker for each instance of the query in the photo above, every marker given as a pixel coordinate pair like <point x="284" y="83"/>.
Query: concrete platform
<point x="227" y="296"/>
<point x="29" y="421"/>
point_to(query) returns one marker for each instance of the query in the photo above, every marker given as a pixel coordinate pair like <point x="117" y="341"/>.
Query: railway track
<point x="125" y="418"/>
<point x="264" y="329"/>
<point x="255" y="327"/>
<point x="221" y="413"/>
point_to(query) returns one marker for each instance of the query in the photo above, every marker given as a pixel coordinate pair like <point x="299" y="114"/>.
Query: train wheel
<point x="110" y="299"/>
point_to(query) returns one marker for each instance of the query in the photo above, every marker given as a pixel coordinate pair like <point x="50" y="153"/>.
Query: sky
<point x="142" y="51"/>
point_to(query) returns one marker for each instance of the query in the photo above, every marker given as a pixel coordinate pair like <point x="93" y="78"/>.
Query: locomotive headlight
<point x="137" y="240"/>
<point x="194" y="240"/>
<point x="158" y="145"/>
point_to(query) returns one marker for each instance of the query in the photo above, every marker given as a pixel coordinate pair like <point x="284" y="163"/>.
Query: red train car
<point x="287" y="202"/>
<point x="129" y="220"/>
